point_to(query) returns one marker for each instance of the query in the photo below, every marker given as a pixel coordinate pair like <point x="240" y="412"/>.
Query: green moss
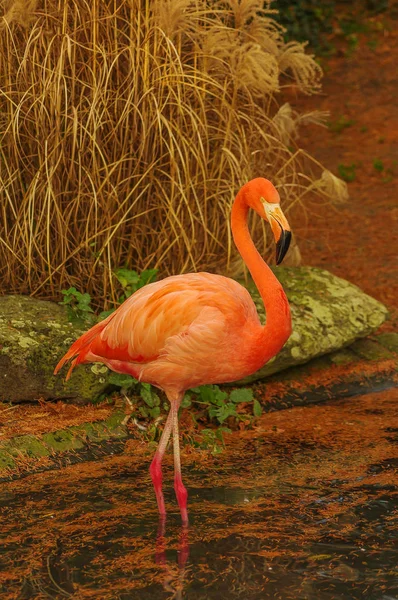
<point x="389" y="341"/>
<point x="115" y="420"/>
<point x="28" y="445"/>
<point x="63" y="440"/>
<point x="343" y="357"/>
<point x="6" y="460"/>
<point x="370" y="350"/>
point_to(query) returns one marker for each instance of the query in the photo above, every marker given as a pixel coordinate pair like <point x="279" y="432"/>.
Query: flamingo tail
<point x="79" y="349"/>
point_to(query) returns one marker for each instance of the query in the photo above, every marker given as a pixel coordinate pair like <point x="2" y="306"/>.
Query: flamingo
<point x="198" y="328"/>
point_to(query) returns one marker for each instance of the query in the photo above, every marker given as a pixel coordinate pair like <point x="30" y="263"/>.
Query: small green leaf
<point x="257" y="408"/>
<point x="147" y="276"/>
<point x="146" y="395"/>
<point x="126" y="277"/>
<point x="347" y="172"/>
<point x="241" y="395"/>
<point x="211" y="394"/>
<point x="122" y="381"/>
<point x="155" y="412"/>
<point x="220" y="431"/>
<point x="223" y="412"/>
<point x="144" y="411"/>
<point x="186" y="401"/>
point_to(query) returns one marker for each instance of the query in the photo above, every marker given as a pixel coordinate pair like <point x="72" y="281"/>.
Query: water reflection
<point x="302" y="508"/>
<point x="171" y="583"/>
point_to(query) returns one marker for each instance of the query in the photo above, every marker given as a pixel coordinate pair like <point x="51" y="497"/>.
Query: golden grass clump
<point x="126" y="129"/>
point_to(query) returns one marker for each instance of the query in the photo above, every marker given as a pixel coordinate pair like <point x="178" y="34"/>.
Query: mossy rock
<point x="328" y="313"/>
<point x="34" y="334"/>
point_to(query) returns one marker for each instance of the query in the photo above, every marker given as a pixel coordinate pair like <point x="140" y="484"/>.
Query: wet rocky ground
<point x="302" y="506"/>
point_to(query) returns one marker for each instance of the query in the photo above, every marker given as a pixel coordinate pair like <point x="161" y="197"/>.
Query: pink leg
<point x="180" y="490"/>
<point x="156" y="465"/>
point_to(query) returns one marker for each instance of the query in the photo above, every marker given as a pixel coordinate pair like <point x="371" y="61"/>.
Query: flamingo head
<point x="262" y="197"/>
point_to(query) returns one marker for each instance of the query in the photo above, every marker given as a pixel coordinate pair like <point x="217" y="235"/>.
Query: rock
<point x="34" y="334"/>
<point x="328" y="313"/>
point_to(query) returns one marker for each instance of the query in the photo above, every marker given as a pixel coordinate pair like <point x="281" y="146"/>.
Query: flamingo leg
<point x="180" y="489"/>
<point x="155" y="469"/>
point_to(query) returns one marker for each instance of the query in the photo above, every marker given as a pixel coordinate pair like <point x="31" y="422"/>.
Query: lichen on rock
<point x="34" y="334"/>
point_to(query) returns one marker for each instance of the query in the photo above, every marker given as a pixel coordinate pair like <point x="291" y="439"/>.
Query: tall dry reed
<point x="126" y="128"/>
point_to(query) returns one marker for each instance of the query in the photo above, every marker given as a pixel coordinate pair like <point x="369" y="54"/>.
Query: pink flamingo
<point x="198" y="328"/>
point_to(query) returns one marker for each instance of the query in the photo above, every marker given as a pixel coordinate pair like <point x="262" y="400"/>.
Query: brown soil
<point x="34" y="420"/>
<point x="358" y="240"/>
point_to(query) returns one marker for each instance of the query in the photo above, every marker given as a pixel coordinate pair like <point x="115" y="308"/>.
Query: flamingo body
<point x="178" y="333"/>
<point x="198" y="328"/>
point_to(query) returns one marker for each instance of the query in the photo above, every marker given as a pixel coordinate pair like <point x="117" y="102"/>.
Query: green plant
<point x="347" y="172"/>
<point x="306" y="20"/>
<point x="388" y="178"/>
<point x="378" y="165"/>
<point x="221" y="405"/>
<point x="372" y="44"/>
<point x="151" y="406"/>
<point x="352" y="26"/>
<point x="353" y="43"/>
<point x="340" y="124"/>
<point x="213" y="439"/>
<point x="78" y="305"/>
<point x="218" y="405"/>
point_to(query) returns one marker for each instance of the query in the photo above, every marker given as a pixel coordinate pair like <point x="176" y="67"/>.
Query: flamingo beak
<point x="282" y="245"/>
<point x="280" y="228"/>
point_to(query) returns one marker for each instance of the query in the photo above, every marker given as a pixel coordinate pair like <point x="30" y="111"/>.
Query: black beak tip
<point x="282" y="246"/>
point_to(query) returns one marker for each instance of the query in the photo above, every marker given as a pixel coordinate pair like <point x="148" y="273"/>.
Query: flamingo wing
<point x="181" y="315"/>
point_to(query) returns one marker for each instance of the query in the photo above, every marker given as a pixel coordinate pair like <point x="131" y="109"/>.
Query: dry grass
<point x="126" y="128"/>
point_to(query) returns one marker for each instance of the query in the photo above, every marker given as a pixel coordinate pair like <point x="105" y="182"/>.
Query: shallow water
<point x="302" y="507"/>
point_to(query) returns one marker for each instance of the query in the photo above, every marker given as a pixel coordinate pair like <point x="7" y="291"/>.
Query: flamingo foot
<point x="182" y="497"/>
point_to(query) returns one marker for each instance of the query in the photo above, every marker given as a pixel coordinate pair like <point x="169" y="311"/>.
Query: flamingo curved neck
<point x="278" y="324"/>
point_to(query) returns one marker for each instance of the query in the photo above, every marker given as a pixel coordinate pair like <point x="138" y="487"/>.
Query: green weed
<point x="77" y="305"/>
<point x="352" y="27"/>
<point x="340" y="124"/>
<point x="217" y="405"/>
<point x="372" y="44"/>
<point x="347" y="172"/>
<point x="378" y="165"/>
<point x="353" y="43"/>
<point x="220" y="405"/>
<point x="213" y="439"/>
